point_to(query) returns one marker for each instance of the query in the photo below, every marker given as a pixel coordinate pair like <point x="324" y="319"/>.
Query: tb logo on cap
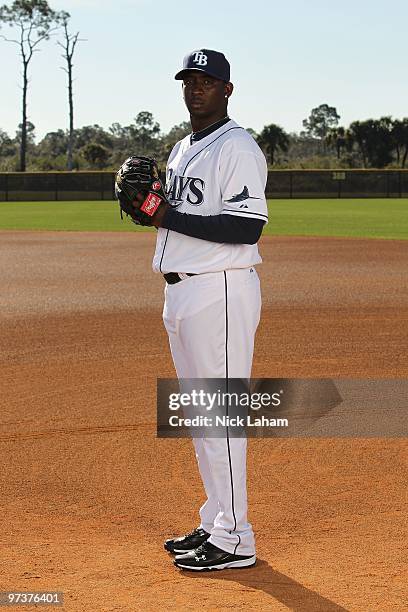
<point x="200" y="58"/>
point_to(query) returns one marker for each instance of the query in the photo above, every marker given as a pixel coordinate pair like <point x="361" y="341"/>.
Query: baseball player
<point x="207" y="251"/>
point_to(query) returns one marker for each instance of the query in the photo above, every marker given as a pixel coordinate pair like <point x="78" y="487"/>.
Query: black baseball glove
<point x="139" y="189"/>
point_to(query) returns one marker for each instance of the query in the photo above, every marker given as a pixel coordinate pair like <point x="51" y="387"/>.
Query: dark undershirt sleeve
<point x="216" y="228"/>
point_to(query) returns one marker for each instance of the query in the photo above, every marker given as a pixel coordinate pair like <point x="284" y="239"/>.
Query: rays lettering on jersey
<point x="185" y="188"/>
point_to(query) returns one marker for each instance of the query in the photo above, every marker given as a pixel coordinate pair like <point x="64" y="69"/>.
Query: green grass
<point x="371" y="218"/>
<point x="86" y="216"/>
<point x="367" y="218"/>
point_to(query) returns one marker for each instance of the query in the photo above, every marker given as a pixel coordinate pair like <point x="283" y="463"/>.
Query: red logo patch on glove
<point x="151" y="204"/>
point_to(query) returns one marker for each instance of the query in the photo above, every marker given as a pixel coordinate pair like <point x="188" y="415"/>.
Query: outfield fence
<point x="33" y="186"/>
<point x="36" y="186"/>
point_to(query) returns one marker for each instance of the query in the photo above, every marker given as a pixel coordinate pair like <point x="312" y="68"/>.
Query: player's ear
<point x="228" y="89"/>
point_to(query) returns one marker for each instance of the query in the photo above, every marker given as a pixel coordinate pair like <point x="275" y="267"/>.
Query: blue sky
<point x="286" y="58"/>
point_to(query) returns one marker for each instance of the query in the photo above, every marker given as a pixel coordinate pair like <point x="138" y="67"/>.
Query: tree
<point x="7" y="147"/>
<point x="399" y="133"/>
<point x="92" y="133"/>
<point x="176" y="133"/>
<point x="361" y="131"/>
<point x="138" y="138"/>
<point x="272" y="138"/>
<point x="69" y="44"/>
<point x="320" y="120"/>
<point x="29" y="134"/>
<point x="53" y="144"/>
<point x="374" y="140"/>
<point x="147" y="131"/>
<point x="51" y="152"/>
<point x="337" y="138"/>
<point x="34" y="21"/>
<point x="95" y="154"/>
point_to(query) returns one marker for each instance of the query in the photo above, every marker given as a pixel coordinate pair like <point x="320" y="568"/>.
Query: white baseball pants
<point x="211" y="320"/>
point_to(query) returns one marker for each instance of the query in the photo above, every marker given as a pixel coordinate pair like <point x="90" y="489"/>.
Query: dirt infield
<point x="88" y="493"/>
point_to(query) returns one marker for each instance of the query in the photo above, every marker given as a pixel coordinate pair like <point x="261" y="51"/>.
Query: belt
<point x="174" y="277"/>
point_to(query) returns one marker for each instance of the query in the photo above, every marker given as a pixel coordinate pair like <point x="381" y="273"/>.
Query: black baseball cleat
<point x="188" y="542"/>
<point x="209" y="557"/>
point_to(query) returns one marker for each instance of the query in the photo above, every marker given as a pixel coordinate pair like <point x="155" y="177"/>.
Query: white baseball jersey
<point x="223" y="173"/>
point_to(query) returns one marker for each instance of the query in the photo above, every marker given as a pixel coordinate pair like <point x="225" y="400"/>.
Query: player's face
<point x="204" y="95"/>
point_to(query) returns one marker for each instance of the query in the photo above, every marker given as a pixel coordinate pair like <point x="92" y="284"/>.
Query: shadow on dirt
<point x="284" y="589"/>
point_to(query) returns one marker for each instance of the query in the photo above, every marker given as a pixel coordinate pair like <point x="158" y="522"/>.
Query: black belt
<point x="173" y="277"/>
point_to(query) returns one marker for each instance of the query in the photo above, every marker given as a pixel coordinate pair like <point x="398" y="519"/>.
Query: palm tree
<point x="272" y="138"/>
<point x="374" y="140"/>
<point x="337" y="138"/>
<point x="399" y="134"/>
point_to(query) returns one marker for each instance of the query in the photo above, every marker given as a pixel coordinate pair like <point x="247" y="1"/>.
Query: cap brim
<point x="180" y="75"/>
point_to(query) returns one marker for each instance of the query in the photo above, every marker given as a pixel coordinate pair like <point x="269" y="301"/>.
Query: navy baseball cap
<point x="211" y="62"/>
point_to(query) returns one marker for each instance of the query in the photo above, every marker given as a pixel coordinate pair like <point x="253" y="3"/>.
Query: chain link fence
<point x="37" y="186"/>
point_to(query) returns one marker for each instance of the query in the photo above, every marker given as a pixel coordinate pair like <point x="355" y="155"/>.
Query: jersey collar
<point x="196" y="136"/>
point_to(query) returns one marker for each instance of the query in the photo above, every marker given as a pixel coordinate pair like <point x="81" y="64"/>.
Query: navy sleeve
<point x="216" y="228"/>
